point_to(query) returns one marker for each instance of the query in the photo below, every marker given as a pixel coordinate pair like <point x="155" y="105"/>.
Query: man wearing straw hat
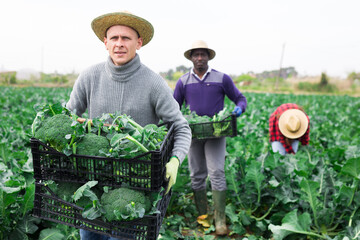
<point x="123" y="84"/>
<point x="203" y="89"/>
<point x="288" y="125"/>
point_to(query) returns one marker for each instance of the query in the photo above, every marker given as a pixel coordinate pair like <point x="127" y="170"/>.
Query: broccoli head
<point x="91" y="144"/>
<point x="54" y="129"/>
<point x="66" y="190"/>
<point x="117" y="199"/>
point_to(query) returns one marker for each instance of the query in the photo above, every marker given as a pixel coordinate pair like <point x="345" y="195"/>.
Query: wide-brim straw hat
<point x="102" y="23"/>
<point x="199" y="44"/>
<point x="293" y="123"/>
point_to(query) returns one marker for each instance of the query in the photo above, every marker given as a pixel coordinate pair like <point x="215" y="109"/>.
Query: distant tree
<point x="177" y="75"/>
<point x="324" y="79"/>
<point x="8" y="78"/>
<point x="54" y="78"/>
<point x="244" y="78"/>
<point x="353" y="76"/>
<point x="182" y="69"/>
<point x="169" y="74"/>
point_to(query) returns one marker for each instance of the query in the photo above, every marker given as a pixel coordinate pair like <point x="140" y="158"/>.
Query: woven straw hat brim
<point x="304" y="123"/>
<point x="211" y="53"/>
<point x="102" y="23"/>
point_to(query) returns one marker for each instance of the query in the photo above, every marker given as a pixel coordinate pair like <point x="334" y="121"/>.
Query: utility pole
<point x="281" y="60"/>
<point x="42" y="63"/>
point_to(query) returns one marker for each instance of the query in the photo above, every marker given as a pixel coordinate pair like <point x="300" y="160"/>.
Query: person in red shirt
<point x="288" y="125"/>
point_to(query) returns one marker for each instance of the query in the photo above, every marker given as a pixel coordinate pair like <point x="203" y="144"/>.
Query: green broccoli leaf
<point x="84" y="190"/>
<point x="291" y="224"/>
<point x="352" y="168"/>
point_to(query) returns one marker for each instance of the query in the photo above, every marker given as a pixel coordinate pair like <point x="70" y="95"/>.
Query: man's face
<point x="200" y="58"/>
<point x="122" y="43"/>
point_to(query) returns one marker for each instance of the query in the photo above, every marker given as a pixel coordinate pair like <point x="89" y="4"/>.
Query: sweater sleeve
<point x="233" y="93"/>
<point x="77" y="102"/>
<point x="167" y="109"/>
<point x="179" y="93"/>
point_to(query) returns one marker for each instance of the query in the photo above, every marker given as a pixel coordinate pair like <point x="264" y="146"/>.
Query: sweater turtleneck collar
<point x="123" y="72"/>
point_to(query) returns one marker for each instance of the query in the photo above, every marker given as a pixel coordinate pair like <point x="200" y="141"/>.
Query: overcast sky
<point x="316" y="35"/>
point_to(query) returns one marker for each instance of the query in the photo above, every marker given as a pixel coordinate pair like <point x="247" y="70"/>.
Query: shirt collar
<point x="208" y="71"/>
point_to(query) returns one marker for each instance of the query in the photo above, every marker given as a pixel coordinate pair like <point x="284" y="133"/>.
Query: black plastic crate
<point x="144" y="172"/>
<point x="48" y="206"/>
<point x="225" y="128"/>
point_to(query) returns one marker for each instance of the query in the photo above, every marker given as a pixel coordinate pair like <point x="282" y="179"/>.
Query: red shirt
<point x="276" y="135"/>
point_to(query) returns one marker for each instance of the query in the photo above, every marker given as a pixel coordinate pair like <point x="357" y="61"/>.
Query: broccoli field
<point x="314" y="194"/>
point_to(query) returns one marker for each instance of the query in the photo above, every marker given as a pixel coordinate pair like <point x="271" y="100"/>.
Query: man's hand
<point x="237" y="111"/>
<point x="171" y="172"/>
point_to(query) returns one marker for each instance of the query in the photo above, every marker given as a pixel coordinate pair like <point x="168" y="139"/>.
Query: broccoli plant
<point x="205" y="126"/>
<point x="57" y="126"/>
<point x="124" y="204"/>
<point x="128" y="139"/>
<point x="109" y="204"/>
<point x="44" y="111"/>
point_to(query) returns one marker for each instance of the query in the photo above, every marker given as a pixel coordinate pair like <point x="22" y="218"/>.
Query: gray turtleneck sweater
<point x="132" y="89"/>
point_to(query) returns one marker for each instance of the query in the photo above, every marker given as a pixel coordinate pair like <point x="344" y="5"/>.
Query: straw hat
<point x="102" y="23"/>
<point x="199" y="44"/>
<point x="293" y="123"/>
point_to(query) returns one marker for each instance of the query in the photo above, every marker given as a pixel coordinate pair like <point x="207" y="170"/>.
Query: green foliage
<point x="8" y="78"/>
<point x="128" y="139"/>
<point x="183" y="69"/>
<point x="353" y="76"/>
<point x="324" y="79"/>
<point x="65" y="190"/>
<point x="177" y="75"/>
<point x="292" y="223"/>
<point x="123" y="138"/>
<point x="322" y="86"/>
<point x="331" y="160"/>
<point x="320" y="182"/>
<point x="244" y="78"/>
<point x="16" y="171"/>
<point x="316" y="87"/>
<point x="205" y="126"/>
<point x="268" y="187"/>
<point x="116" y="204"/>
<point x="54" y="78"/>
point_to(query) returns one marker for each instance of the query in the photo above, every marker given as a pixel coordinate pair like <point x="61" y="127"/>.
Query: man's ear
<point x="105" y="42"/>
<point x="139" y="43"/>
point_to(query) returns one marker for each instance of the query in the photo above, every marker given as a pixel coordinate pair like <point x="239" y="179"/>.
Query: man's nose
<point x="200" y="57"/>
<point x="119" y="43"/>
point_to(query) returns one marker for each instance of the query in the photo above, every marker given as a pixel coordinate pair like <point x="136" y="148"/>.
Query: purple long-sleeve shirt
<point x="206" y="96"/>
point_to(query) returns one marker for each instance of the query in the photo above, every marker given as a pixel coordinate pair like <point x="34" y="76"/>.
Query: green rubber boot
<point x="201" y="201"/>
<point x="219" y="198"/>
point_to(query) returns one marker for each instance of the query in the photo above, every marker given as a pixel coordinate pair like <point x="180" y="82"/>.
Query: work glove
<point x="171" y="172"/>
<point x="237" y="111"/>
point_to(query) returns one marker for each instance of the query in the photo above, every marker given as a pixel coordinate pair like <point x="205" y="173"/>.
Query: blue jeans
<point x="88" y="235"/>
<point x="278" y="147"/>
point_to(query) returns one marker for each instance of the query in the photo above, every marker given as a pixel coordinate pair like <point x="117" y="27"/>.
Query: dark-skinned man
<point x="203" y="89"/>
